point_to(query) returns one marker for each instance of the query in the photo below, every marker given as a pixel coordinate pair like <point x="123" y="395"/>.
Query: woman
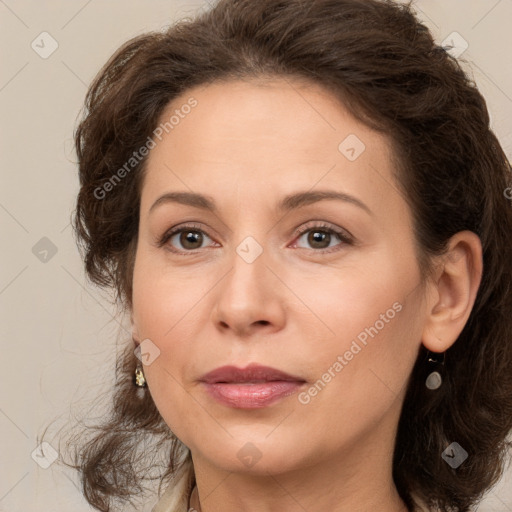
<point x="302" y="209"/>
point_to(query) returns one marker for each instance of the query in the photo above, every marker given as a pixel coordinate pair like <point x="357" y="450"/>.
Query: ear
<point x="452" y="291"/>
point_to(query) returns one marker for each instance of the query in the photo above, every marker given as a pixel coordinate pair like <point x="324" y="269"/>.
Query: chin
<point x="256" y="455"/>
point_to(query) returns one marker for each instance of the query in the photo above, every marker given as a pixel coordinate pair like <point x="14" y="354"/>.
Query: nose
<point x="250" y="299"/>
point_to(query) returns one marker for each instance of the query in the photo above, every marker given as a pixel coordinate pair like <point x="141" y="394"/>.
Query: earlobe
<point x="453" y="291"/>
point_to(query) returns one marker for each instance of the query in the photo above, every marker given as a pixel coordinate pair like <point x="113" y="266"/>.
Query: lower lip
<point x="252" y="396"/>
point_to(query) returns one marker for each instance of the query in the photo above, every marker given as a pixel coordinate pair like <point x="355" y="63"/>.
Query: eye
<point x="190" y="237"/>
<point x="320" y="236"/>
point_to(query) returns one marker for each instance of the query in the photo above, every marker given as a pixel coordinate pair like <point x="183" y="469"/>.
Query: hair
<point x="383" y="64"/>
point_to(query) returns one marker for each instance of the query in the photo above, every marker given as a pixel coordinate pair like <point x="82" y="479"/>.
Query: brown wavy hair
<point x="384" y="65"/>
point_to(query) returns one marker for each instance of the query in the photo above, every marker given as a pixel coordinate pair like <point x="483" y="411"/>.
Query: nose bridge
<point x="249" y="293"/>
<point x="250" y="249"/>
<point x="248" y="275"/>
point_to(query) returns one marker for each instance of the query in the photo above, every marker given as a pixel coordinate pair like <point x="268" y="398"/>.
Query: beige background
<point x="59" y="334"/>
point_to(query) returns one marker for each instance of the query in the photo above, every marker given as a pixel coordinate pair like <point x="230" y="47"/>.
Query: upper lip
<point x="252" y="373"/>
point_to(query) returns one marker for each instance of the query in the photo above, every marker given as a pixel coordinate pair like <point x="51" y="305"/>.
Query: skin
<point x="247" y="144"/>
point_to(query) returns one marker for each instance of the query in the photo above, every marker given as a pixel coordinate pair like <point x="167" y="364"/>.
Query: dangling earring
<point x="435" y="362"/>
<point x="139" y="378"/>
<point x="140" y="381"/>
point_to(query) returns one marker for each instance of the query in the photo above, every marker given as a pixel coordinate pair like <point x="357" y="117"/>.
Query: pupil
<point x="318" y="237"/>
<point x="190" y="237"/>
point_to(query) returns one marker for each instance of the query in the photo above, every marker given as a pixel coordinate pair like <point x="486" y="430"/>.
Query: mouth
<point x="252" y="387"/>
<point x="253" y="373"/>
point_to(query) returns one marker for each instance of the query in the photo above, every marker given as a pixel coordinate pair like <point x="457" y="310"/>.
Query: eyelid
<point x="191" y="226"/>
<point x="327" y="226"/>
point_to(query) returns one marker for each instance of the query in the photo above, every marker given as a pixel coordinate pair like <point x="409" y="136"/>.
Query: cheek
<point x="374" y="325"/>
<point x="162" y="315"/>
<point x="164" y="300"/>
<point x="374" y="380"/>
<point x="358" y="383"/>
<point x="167" y="310"/>
<point x="352" y="300"/>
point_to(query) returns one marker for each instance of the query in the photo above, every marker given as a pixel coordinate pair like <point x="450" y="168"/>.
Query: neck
<point x="396" y="505"/>
<point x="326" y="488"/>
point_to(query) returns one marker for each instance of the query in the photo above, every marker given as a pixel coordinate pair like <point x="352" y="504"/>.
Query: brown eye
<point x="190" y="239"/>
<point x="319" y="238"/>
<point x="184" y="239"/>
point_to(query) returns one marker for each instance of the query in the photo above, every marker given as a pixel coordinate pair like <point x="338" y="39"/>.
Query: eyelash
<point x="344" y="237"/>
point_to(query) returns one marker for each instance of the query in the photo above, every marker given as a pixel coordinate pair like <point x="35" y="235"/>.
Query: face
<point x="278" y="272"/>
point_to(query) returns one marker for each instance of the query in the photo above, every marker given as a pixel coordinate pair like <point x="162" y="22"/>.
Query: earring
<point x="435" y="362"/>
<point x="139" y="380"/>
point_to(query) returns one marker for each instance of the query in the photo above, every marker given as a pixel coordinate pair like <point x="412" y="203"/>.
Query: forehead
<point x="242" y="111"/>
<point x="277" y="134"/>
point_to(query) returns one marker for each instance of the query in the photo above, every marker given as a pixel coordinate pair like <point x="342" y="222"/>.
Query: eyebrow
<point x="288" y="203"/>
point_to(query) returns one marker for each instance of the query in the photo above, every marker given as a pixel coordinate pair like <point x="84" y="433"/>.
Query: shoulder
<point x="175" y="497"/>
<point x="421" y="506"/>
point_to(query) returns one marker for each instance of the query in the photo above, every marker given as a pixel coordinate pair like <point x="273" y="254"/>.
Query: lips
<point x="252" y="373"/>
<point x="252" y="387"/>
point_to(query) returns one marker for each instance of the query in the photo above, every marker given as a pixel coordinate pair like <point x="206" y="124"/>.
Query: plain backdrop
<point x="59" y="334"/>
